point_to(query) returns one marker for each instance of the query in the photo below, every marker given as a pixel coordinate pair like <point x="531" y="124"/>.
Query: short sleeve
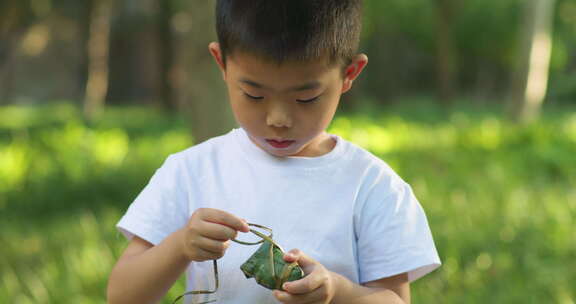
<point x="393" y="236"/>
<point x="161" y="208"/>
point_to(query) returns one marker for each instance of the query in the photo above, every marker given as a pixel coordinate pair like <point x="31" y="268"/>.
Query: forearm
<point x="147" y="277"/>
<point x="348" y="292"/>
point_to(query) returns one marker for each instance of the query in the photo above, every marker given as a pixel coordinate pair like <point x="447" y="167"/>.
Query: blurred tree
<point x="445" y="51"/>
<point x="15" y="18"/>
<point x="562" y="84"/>
<point x="49" y="50"/>
<point x="531" y="79"/>
<point x="195" y="80"/>
<point x="82" y="15"/>
<point x="486" y="37"/>
<point x="401" y="50"/>
<point x="168" y="66"/>
<point x="98" y="52"/>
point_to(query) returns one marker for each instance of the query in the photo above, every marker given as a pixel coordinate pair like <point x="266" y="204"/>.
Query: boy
<point x="361" y="233"/>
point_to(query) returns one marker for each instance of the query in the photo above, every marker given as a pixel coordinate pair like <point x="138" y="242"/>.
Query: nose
<point x="278" y="116"/>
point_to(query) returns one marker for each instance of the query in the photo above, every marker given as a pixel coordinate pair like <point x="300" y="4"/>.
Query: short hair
<point x="281" y="30"/>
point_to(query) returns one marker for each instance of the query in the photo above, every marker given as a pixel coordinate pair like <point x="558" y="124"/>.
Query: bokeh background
<point x="472" y="102"/>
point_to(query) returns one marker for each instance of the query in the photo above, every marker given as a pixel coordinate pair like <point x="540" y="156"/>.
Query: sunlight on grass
<point x="110" y="147"/>
<point x="13" y="165"/>
<point x="20" y="117"/>
<point x="15" y="117"/>
<point x="395" y="134"/>
<point x="488" y="134"/>
<point x="72" y="269"/>
<point x="570" y="127"/>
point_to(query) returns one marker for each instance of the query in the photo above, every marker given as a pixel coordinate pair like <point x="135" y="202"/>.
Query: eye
<point x="253" y="97"/>
<point x="311" y="100"/>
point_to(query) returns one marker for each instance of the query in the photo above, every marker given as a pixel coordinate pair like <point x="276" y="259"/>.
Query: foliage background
<point x="499" y="195"/>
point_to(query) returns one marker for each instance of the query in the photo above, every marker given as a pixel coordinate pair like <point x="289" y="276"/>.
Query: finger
<point x="317" y="296"/>
<point x="296" y="255"/>
<point x="224" y="218"/>
<point x="316" y="274"/>
<point x="290" y="257"/>
<point x="212" y="246"/>
<point x="309" y="283"/>
<point x="203" y="255"/>
<point x="216" y="231"/>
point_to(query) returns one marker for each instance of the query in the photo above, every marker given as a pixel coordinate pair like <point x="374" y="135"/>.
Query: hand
<point x="208" y="233"/>
<point x="317" y="287"/>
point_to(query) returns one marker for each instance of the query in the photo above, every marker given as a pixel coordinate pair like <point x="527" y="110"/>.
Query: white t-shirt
<point x="346" y="209"/>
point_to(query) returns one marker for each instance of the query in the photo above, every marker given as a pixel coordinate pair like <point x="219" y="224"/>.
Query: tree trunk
<point x="84" y="10"/>
<point x="98" y="51"/>
<point x="15" y="19"/>
<point x="168" y="86"/>
<point x="531" y="80"/>
<point x="208" y="108"/>
<point x="206" y="105"/>
<point x="209" y="113"/>
<point x="445" y="51"/>
<point x="6" y="70"/>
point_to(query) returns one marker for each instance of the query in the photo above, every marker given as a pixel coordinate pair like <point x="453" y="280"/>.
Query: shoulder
<point x="377" y="185"/>
<point x="204" y="148"/>
<point x="374" y="169"/>
<point x="203" y="153"/>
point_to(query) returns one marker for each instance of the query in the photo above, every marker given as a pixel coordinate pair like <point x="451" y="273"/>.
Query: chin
<point x="283" y="153"/>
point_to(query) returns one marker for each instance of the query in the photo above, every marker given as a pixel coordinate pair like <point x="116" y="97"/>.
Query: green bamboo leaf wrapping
<point x="271" y="275"/>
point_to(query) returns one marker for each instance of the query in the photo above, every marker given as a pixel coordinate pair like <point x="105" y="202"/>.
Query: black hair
<point x="281" y="30"/>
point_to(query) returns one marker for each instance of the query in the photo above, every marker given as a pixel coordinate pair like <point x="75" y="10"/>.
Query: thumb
<point x="296" y="255"/>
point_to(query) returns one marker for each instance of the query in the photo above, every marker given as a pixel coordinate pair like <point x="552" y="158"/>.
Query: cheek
<point x="246" y="115"/>
<point x="237" y="104"/>
<point x="317" y="121"/>
<point x="325" y="113"/>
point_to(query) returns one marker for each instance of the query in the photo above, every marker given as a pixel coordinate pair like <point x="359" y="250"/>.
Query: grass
<point x="500" y="198"/>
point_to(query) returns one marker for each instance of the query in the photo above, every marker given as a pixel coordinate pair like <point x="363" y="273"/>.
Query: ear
<point x="353" y="70"/>
<point x="214" y="48"/>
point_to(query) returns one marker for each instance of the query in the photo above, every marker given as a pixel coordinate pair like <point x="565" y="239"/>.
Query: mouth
<point x="280" y="144"/>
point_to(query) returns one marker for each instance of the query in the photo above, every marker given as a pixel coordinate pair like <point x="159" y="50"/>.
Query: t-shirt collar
<point x="256" y="153"/>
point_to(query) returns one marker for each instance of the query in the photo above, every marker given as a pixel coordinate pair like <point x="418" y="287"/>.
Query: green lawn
<point x="501" y="199"/>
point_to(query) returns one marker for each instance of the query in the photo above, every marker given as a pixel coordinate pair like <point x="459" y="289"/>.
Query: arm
<point x="395" y="289"/>
<point x="144" y="273"/>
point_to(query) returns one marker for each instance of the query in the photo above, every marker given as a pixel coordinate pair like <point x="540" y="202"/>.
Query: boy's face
<point x="285" y="109"/>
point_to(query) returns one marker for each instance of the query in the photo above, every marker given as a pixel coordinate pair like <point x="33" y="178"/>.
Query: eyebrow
<point x="304" y="87"/>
